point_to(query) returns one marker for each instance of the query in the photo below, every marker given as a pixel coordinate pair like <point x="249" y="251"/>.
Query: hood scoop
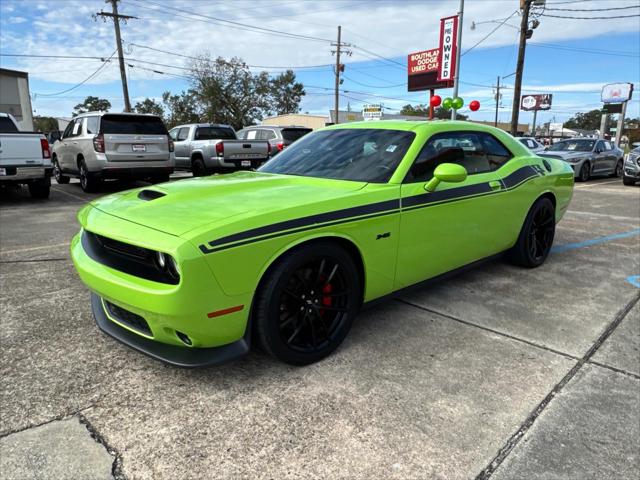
<point x="148" y="195"/>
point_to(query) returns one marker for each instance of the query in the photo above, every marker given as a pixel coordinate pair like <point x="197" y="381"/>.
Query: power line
<point x="95" y="73"/>
<point x="374" y="86"/>
<point x="584" y="50"/>
<point x="390" y="60"/>
<point x="238" y="25"/>
<point x="591" y="18"/>
<point x="489" y="34"/>
<point x="592" y="9"/>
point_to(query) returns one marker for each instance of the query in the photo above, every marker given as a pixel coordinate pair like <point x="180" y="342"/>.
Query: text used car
<point x="194" y="272"/>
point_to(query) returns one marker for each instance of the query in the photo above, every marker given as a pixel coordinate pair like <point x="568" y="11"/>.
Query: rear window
<point x="132" y="125"/>
<point x="214" y="133"/>
<point x="7" y="126"/>
<point x="293" y="134"/>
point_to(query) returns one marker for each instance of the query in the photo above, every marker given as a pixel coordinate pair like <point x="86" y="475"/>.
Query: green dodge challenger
<point x="193" y="272"/>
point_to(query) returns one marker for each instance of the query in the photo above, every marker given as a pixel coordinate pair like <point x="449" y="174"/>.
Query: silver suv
<point x="98" y="145"/>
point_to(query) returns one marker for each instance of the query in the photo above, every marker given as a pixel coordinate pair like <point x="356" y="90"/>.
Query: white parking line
<point x="604" y="215"/>
<point x="30" y="249"/>
<point x="579" y="187"/>
<point x="85" y="200"/>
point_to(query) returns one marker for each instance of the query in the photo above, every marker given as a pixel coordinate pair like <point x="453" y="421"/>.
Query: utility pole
<point x="458" y="48"/>
<point x="116" y="23"/>
<point x="524" y="31"/>
<point x="495" y="122"/>
<point x="337" y="87"/>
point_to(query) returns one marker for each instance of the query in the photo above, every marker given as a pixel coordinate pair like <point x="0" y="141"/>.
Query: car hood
<point x="564" y="154"/>
<point x="181" y="206"/>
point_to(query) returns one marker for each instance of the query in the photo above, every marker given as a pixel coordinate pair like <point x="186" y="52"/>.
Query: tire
<point x="617" y="173"/>
<point x="536" y="237"/>
<point x="306" y="303"/>
<point x="57" y="173"/>
<point x="585" y="172"/>
<point x="40" y="188"/>
<point x="628" y="181"/>
<point x="87" y="183"/>
<point x="198" y="167"/>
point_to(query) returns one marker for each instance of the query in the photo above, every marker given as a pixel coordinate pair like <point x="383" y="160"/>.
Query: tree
<point x="228" y="92"/>
<point x="92" y="104"/>
<point x="45" y="124"/>
<point x="423" y="111"/>
<point x="285" y="93"/>
<point x="180" y="109"/>
<point x="585" y="121"/>
<point x="149" y="105"/>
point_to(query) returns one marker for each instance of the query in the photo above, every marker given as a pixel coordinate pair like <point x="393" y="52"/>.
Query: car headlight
<point x="575" y="160"/>
<point x="632" y="159"/>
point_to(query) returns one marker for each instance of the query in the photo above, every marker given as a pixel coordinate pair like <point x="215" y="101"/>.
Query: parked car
<point x="279" y="137"/>
<point x="588" y="157"/>
<point x="194" y="272"/>
<point x="96" y="146"/>
<point x="205" y="148"/>
<point x="532" y="144"/>
<point x="25" y="158"/>
<point x="631" y="173"/>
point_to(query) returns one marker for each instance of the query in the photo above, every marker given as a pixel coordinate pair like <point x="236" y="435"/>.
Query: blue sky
<point x="569" y="58"/>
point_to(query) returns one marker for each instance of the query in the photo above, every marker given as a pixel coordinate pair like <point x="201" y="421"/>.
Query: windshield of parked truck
<point x="7" y="126"/>
<point x="573" y="145"/>
<point x="357" y="154"/>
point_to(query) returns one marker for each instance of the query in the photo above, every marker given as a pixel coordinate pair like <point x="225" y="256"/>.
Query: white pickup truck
<point x="205" y="148"/>
<point x="25" y="158"/>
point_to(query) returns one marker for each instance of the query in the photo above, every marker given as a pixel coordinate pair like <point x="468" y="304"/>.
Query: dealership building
<point x="15" y="98"/>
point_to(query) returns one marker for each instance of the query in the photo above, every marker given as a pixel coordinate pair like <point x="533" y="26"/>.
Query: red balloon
<point x="435" y="101"/>
<point x="474" y="105"/>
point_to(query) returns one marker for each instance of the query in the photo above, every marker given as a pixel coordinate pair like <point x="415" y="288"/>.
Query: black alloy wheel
<point x="585" y="172"/>
<point x="618" y="171"/>
<point x="537" y="234"/>
<point x="308" y="304"/>
<point x="198" y="168"/>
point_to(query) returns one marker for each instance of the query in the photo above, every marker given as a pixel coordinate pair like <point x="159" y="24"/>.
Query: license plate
<point x="245" y="163"/>
<point x="3" y="171"/>
<point x="139" y="147"/>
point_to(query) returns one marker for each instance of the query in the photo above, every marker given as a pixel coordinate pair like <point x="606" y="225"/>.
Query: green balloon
<point x="457" y="103"/>
<point x="447" y="103"/>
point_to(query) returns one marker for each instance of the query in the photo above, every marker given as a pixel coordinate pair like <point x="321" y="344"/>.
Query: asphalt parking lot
<point x="499" y="372"/>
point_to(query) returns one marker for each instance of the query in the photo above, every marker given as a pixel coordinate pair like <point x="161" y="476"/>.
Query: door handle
<point x="495" y="185"/>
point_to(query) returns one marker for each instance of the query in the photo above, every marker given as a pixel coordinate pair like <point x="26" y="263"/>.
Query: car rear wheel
<point x="307" y="303"/>
<point x="536" y="237"/>
<point x="585" y="172"/>
<point x="198" y="167"/>
<point x="88" y="183"/>
<point x="57" y="173"/>
<point x="617" y="173"/>
<point x="40" y="188"/>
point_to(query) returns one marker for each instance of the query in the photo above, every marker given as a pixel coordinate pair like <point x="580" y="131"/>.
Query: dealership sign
<point x="617" y="92"/>
<point x="536" y="102"/>
<point x="448" y="40"/>
<point x="423" y="62"/>
<point x="372" y="112"/>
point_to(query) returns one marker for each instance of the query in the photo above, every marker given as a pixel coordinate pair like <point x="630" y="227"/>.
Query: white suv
<point x="99" y="145"/>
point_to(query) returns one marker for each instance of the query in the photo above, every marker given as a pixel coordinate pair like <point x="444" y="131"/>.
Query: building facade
<point x="15" y="98"/>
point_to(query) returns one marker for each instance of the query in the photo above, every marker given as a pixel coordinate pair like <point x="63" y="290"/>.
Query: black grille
<point x="130" y="319"/>
<point x="125" y="257"/>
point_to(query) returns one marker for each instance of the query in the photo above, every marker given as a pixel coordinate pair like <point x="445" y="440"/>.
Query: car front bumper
<point x="192" y="323"/>
<point x="631" y="168"/>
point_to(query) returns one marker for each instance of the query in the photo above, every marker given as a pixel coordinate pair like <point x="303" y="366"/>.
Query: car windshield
<point x="357" y="154"/>
<point x="573" y="145"/>
<point x="7" y="126"/>
<point x="214" y="133"/>
<point x="132" y="124"/>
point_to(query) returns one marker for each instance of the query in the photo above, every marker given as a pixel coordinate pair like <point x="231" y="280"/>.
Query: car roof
<point x="419" y="125"/>
<point x="101" y="114"/>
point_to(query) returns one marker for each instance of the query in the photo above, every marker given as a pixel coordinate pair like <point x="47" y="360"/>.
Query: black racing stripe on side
<point x="519" y="176"/>
<point x="310" y="220"/>
<point x="206" y="249"/>
<point x="442" y="195"/>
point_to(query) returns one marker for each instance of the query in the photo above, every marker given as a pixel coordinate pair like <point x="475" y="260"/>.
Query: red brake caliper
<point x="327" y="299"/>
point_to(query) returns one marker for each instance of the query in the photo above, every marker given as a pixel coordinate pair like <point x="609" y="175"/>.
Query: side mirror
<point x="446" y="172"/>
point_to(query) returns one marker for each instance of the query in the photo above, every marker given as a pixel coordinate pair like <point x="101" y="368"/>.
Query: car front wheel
<point x="585" y="172"/>
<point x="536" y="237"/>
<point x="617" y="173"/>
<point x="306" y="303"/>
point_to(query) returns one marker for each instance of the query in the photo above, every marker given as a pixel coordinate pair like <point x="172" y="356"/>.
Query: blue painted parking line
<point x="594" y="241"/>
<point x="634" y="280"/>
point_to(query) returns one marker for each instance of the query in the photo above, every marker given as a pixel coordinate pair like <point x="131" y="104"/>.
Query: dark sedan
<point x="588" y="157"/>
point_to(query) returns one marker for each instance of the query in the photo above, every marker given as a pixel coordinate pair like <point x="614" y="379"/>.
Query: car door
<point x="612" y="158"/>
<point x="74" y="145"/>
<point x="181" y="147"/>
<point x="62" y="148"/>
<point x="457" y="223"/>
<point x="600" y="158"/>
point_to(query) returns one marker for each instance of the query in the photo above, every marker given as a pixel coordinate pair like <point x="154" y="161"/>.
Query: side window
<point x="478" y="152"/>
<point x="68" y="130"/>
<point x="531" y="144"/>
<point x="241" y="134"/>
<point x="77" y="127"/>
<point x="251" y="135"/>
<point x="174" y="134"/>
<point x="270" y="135"/>
<point x="183" y="134"/>
<point x="93" y="125"/>
<point x="607" y="146"/>
<point x="600" y="146"/>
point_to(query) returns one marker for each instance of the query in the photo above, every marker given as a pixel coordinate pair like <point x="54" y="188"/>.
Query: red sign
<point x="448" y="47"/>
<point x="423" y="62"/>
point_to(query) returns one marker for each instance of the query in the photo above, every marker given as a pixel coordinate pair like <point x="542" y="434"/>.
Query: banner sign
<point x="372" y="112"/>
<point x="540" y="101"/>
<point x="423" y="71"/>
<point x="617" y="92"/>
<point x="448" y="46"/>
